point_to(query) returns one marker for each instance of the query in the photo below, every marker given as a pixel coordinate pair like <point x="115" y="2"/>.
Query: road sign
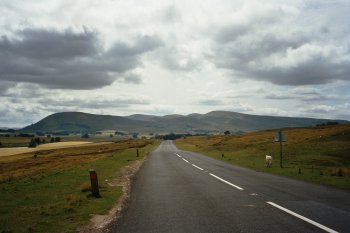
<point x="280" y="137"/>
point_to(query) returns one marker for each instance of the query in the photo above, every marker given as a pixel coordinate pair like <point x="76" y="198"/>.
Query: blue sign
<point x="280" y="137"/>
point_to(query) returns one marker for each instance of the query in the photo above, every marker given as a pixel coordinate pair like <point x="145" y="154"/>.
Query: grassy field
<point x="49" y="192"/>
<point x="318" y="154"/>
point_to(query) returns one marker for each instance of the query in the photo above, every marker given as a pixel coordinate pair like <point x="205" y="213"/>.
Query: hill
<point x="212" y="122"/>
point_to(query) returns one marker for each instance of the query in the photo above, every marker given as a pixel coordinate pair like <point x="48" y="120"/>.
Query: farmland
<point x="48" y="190"/>
<point x="317" y="154"/>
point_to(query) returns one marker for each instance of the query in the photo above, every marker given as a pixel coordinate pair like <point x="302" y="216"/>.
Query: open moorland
<point x="317" y="154"/>
<point x="48" y="190"/>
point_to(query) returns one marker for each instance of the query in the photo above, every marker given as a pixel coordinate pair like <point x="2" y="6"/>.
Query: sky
<point x="271" y="57"/>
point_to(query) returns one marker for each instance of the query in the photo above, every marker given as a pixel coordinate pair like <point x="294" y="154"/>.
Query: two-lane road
<point x="179" y="191"/>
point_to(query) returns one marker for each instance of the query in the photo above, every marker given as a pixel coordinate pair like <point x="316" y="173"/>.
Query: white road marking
<point x="197" y="167"/>
<point x="185" y="160"/>
<point x="178" y="155"/>
<point x="225" y="181"/>
<point x="302" y="218"/>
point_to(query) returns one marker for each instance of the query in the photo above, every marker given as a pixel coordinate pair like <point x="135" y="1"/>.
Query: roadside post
<point x="94" y="183"/>
<point x="280" y="138"/>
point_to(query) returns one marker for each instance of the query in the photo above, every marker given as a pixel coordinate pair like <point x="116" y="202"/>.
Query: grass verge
<point x="57" y="199"/>
<point x="318" y="154"/>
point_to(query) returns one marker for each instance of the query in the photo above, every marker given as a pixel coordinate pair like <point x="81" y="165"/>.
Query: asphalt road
<point x="180" y="191"/>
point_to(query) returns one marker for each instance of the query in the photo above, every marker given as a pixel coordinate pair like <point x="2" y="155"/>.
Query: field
<point x="47" y="146"/>
<point x="48" y="190"/>
<point x="317" y="154"/>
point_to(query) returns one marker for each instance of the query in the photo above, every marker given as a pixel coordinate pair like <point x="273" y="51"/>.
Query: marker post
<point x="94" y="183"/>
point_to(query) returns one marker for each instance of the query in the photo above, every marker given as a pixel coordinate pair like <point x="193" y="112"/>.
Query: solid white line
<point x="178" y="155"/>
<point x="225" y="181"/>
<point x="302" y="218"/>
<point x="197" y="167"/>
<point x="185" y="160"/>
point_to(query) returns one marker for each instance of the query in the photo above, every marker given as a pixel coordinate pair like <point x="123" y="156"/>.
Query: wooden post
<point x="94" y="183"/>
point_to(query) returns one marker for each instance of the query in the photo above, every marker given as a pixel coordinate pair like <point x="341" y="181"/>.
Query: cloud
<point x="304" y="94"/>
<point x="5" y="86"/>
<point x="269" y="42"/>
<point x="211" y="102"/>
<point x="70" y="60"/>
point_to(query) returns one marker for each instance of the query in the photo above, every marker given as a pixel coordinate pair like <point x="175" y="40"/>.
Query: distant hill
<point x="212" y="122"/>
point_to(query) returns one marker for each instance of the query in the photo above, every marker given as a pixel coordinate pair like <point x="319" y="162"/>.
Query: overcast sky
<point x="271" y="57"/>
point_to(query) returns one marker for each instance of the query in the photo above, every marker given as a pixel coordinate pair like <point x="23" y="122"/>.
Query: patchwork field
<point x="317" y="154"/>
<point x="55" y="145"/>
<point x="49" y="190"/>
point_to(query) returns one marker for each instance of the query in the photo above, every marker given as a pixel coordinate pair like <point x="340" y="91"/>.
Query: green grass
<point x="14" y="141"/>
<point x="322" y="154"/>
<point x="57" y="201"/>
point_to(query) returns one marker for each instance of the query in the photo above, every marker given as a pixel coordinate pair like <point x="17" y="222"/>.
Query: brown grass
<point x="324" y="148"/>
<point x="54" y="159"/>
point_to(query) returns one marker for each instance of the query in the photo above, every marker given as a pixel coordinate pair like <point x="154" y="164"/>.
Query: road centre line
<point x="185" y="160"/>
<point x="303" y="218"/>
<point x="178" y="155"/>
<point x="225" y="181"/>
<point x="197" y="167"/>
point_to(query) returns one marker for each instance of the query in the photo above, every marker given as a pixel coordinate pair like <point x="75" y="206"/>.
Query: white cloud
<point x="272" y="57"/>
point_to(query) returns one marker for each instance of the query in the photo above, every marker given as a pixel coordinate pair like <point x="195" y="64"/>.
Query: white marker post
<point x="280" y="138"/>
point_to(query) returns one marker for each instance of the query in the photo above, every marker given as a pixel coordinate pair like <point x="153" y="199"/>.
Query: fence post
<point x="94" y="183"/>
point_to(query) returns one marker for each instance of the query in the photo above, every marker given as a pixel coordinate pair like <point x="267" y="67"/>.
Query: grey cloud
<point x="50" y="44"/>
<point x="280" y="96"/>
<point x="69" y="60"/>
<point x="94" y="102"/>
<point x="4" y="87"/>
<point x="284" y="51"/>
<point x="210" y="102"/>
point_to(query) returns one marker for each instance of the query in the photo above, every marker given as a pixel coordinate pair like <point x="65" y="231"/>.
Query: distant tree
<point x="38" y="141"/>
<point x="0" y="144"/>
<point x="111" y="135"/>
<point x="52" y="140"/>
<point x="57" y="139"/>
<point x="227" y="132"/>
<point x="43" y="141"/>
<point x="32" y="143"/>
<point x="85" y="135"/>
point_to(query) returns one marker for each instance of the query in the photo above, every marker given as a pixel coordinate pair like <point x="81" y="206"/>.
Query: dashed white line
<point x="178" y="155"/>
<point x="197" y="167"/>
<point x="225" y="181"/>
<point x="185" y="160"/>
<point x="302" y="218"/>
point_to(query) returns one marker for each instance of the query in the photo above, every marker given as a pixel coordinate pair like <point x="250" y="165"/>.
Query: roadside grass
<point x="317" y="154"/>
<point x="56" y="198"/>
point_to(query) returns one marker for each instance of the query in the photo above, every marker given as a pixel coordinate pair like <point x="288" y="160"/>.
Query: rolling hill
<point x="212" y="122"/>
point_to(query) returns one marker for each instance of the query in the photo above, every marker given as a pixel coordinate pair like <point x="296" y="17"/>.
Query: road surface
<point x="180" y="191"/>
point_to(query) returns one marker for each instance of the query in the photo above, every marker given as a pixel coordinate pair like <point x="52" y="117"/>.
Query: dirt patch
<point x="100" y="223"/>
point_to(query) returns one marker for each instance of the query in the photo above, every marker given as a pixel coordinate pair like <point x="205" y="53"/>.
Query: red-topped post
<point x="94" y="183"/>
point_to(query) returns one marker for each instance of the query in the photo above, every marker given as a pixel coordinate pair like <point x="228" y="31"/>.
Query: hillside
<point x="212" y="122"/>
<point x="321" y="153"/>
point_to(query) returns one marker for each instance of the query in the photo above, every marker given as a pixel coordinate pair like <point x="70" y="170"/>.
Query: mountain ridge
<point x="211" y="122"/>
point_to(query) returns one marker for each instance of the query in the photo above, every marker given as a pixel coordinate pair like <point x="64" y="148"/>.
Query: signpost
<point x="280" y="138"/>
